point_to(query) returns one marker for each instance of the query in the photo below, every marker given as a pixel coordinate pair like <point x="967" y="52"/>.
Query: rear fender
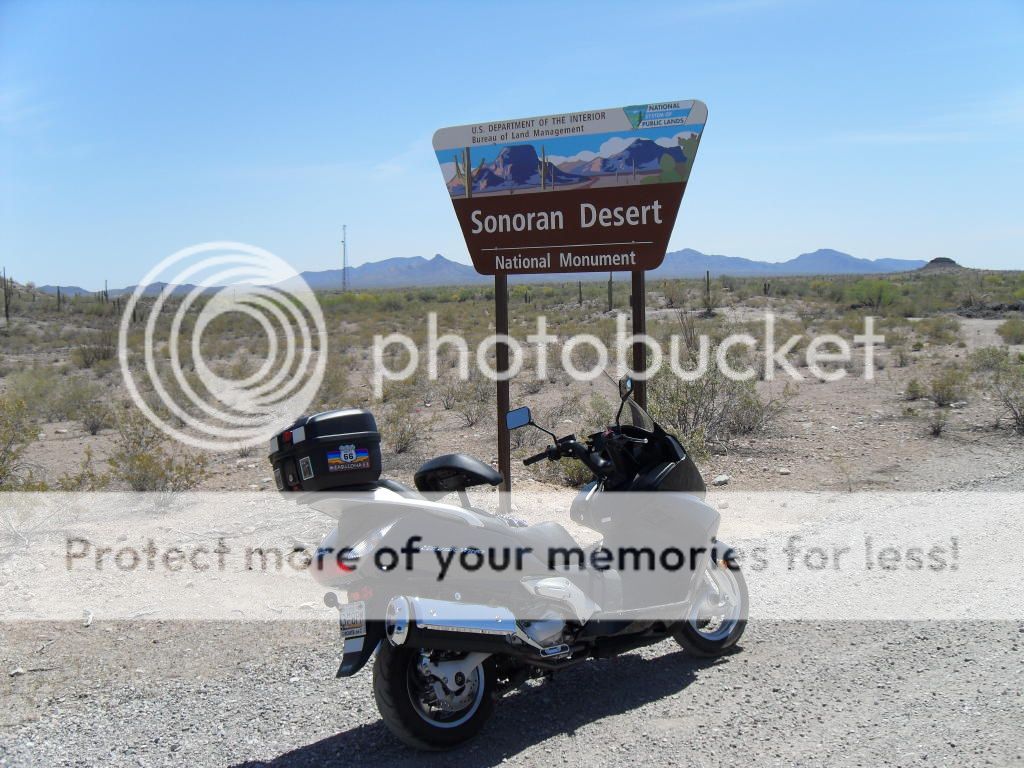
<point x="358" y="650"/>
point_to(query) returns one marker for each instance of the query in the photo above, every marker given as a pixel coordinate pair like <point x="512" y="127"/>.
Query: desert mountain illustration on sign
<point x="519" y="167"/>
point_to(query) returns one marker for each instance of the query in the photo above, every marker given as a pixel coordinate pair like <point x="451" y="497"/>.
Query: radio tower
<point x="344" y="259"/>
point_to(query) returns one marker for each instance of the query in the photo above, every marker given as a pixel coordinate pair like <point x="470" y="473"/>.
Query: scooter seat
<point x="454" y="472"/>
<point x="543" y="537"/>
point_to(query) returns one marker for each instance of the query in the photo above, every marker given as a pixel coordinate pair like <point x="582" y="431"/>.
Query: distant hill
<point x="414" y="271"/>
<point x="941" y="264"/>
<point x="642" y="154"/>
<point x="151" y="290"/>
<point x="824" y="261"/>
<point x="65" y="290"/>
<point x="399" y="271"/>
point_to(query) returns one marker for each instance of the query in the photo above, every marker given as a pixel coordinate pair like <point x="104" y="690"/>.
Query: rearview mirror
<point x="625" y="387"/>
<point x="518" y="417"/>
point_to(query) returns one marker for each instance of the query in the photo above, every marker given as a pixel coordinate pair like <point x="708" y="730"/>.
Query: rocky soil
<point x="212" y="694"/>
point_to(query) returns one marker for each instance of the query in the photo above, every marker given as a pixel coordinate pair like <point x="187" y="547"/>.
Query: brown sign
<point x="583" y="192"/>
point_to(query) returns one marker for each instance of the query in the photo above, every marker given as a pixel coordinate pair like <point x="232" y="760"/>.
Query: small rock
<point x="60" y="431"/>
<point x="17" y="671"/>
<point x="785" y="471"/>
<point x="721" y="480"/>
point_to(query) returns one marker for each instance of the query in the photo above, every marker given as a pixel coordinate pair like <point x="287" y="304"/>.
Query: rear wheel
<point x="718" y="616"/>
<point x="423" y="708"/>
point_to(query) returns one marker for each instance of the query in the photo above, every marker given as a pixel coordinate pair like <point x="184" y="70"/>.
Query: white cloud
<point x="615" y="145"/>
<point x="611" y="147"/>
<point x="672" y="141"/>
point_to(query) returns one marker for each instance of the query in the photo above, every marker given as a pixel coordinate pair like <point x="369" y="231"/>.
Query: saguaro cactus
<point x="464" y="172"/>
<point x="544" y="166"/>
<point x="7" y="297"/>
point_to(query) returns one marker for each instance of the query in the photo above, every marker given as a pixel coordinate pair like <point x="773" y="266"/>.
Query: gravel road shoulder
<point x="176" y="693"/>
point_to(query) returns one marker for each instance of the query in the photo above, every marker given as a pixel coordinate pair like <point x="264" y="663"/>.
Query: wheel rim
<point x="718" y="609"/>
<point x="439" y="705"/>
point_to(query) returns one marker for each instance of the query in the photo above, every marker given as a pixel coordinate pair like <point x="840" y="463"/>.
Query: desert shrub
<point x="401" y="427"/>
<point x="16" y="427"/>
<point x="937" y="422"/>
<point x="874" y="293"/>
<point x="50" y="396"/>
<point x="87" y="478"/>
<point x="531" y="384"/>
<point x="474" y="401"/>
<point x="988" y="359"/>
<point x="949" y="386"/>
<point x="523" y="437"/>
<point x="752" y="413"/>
<point x="710" y="409"/>
<point x="573" y="472"/>
<point x="75" y="395"/>
<point x="915" y="390"/>
<point x="94" y="417"/>
<point x="1007" y="386"/>
<point x="941" y="329"/>
<point x="334" y="389"/>
<point x="448" y="394"/>
<point x="99" y="349"/>
<point x="142" y="461"/>
<point x="398" y="391"/>
<point x="35" y="388"/>
<point x="1012" y="331"/>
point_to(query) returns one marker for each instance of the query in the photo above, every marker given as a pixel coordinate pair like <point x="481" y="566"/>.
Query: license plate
<point x="353" y="619"/>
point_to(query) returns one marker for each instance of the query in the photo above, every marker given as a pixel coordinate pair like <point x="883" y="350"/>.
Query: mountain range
<point x="688" y="263"/>
<point x="641" y="154"/>
<point x="518" y="166"/>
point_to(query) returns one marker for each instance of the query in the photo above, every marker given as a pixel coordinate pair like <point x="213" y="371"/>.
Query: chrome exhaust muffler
<point x="448" y="625"/>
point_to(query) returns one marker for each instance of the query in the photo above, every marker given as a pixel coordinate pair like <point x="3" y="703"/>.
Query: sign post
<point x="501" y="353"/>
<point x="594" y="191"/>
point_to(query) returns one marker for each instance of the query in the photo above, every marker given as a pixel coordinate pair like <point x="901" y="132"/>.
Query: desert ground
<point x="938" y="417"/>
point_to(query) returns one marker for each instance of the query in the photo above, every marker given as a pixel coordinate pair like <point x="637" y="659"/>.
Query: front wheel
<point x="718" y="615"/>
<point x="424" y="705"/>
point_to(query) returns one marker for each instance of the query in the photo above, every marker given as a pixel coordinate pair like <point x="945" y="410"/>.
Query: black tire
<point x="391" y="690"/>
<point x="697" y="643"/>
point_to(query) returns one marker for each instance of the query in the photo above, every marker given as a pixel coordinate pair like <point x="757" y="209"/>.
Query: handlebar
<point x="571" y="447"/>
<point x="534" y="459"/>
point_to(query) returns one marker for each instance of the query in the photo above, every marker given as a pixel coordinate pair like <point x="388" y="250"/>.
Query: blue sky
<point x="131" y="130"/>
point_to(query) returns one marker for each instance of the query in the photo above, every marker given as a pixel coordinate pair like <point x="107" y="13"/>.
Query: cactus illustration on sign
<point x="464" y="172"/>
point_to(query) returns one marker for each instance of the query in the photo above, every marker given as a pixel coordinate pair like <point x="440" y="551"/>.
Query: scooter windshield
<point x="636" y="416"/>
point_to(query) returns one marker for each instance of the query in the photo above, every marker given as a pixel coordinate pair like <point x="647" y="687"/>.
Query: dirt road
<point x="264" y="694"/>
